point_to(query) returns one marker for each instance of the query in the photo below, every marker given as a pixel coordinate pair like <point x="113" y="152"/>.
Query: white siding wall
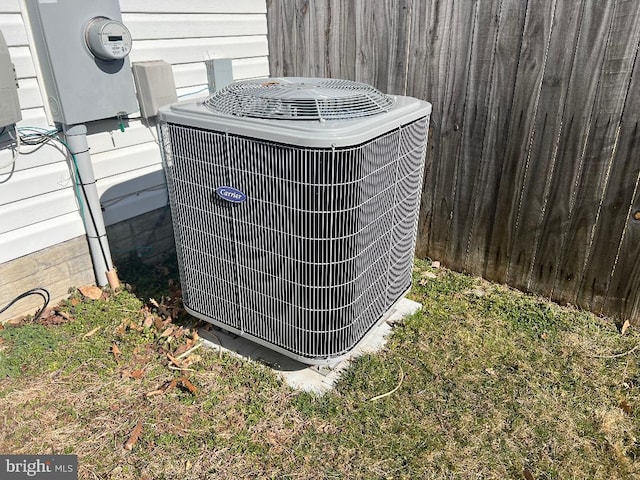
<point x="37" y="203"/>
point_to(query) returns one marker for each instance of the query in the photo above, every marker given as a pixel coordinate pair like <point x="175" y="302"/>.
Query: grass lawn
<point x="495" y="384"/>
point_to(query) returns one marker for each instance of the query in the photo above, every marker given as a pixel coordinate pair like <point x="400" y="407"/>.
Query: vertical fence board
<point x="589" y="57"/>
<point x="429" y="42"/>
<point x="541" y="156"/>
<point x="598" y="153"/>
<point x="474" y="124"/>
<point x="320" y="39"/>
<point x="340" y="39"/>
<point x="621" y="168"/>
<point x="383" y="28"/>
<point x="623" y="283"/>
<point x="313" y="51"/>
<point x="494" y="143"/>
<point x="282" y="58"/>
<point x="621" y="207"/>
<point x="623" y="299"/>
<point x="455" y="75"/>
<point x="531" y="66"/>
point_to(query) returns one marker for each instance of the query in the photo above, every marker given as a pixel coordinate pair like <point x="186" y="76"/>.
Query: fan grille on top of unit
<point x="299" y="99"/>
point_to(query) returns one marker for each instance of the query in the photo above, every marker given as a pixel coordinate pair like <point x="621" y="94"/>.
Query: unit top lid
<point x="298" y="98"/>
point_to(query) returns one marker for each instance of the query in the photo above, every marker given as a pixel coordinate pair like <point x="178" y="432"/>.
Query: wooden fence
<point x="534" y="158"/>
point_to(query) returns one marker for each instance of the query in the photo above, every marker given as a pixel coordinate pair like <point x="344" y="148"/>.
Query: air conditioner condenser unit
<point x="295" y="205"/>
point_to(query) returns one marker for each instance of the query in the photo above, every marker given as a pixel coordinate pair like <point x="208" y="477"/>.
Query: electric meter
<point x="83" y="49"/>
<point x="108" y="39"/>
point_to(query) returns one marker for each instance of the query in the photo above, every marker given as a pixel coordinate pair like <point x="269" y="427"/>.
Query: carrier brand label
<point x="231" y="194"/>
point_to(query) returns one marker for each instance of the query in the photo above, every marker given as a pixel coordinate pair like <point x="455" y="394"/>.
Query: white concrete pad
<point x="298" y="375"/>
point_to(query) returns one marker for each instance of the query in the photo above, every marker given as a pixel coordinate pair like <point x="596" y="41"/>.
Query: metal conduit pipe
<point x="91" y="209"/>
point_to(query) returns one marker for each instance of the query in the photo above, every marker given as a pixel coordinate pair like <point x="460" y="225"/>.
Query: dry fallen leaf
<point x="120" y="330"/>
<point x="435" y="264"/>
<point x="527" y="474"/>
<point x="625" y="327"/>
<point x="64" y="315"/>
<point x="178" y="332"/>
<point x="167" y="332"/>
<point x="159" y="324"/>
<point x="191" y="359"/>
<point x="189" y="386"/>
<point x="181" y="349"/>
<point x="116" y="352"/>
<point x="91" y="291"/>
<point x="131" y="374"/>
<point x="133" y="438"/>
<point x="626" y="407"/>
<point x="148" y="321"/>
<point x="92" y="332"/>
<point x="174" y="360"/>
<point x="173" y="384"/>
<point x="131" y="325"/>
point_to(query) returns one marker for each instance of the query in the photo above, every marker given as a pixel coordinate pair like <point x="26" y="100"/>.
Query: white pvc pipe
<point x="90" y="208"/>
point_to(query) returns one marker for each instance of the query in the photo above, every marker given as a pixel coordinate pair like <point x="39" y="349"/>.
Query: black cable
<point x="37" y="138"/>
<point x="34" y="291"/>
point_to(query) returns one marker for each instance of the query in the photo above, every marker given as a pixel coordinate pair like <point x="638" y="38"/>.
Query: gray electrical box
<point x="83" y="51"/>
<point x="9" y="106"/>
<point x="219" y="73"/>
<point x="155" y="86"/>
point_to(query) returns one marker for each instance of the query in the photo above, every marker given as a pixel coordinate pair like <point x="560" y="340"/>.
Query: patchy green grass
<point x="495" y="384"/>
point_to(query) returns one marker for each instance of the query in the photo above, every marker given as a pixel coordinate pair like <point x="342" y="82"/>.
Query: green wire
<point x="77" y="175"/>
<point x="50" y="133"/>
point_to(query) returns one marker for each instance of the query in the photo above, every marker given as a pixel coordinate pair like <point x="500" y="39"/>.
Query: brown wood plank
<point x="531" y="64"/>
<point x="282" y="36"/>
<point x="340" y="39"/>
<point x="474" y="125"/>
<point x="589" y="57"/>
<point x="623" y="170"/>
<point x="495" y="139"/>
<point x="382" y="43"/>
<point x="620" y="207"/>
<point x="598" y="155"/>
<point x="298" y="49"/>
<point x="541" y="156"/>
<point x="453" y="75"/>
<point x="622" y="296"/>
<point x="429" y="43"/>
